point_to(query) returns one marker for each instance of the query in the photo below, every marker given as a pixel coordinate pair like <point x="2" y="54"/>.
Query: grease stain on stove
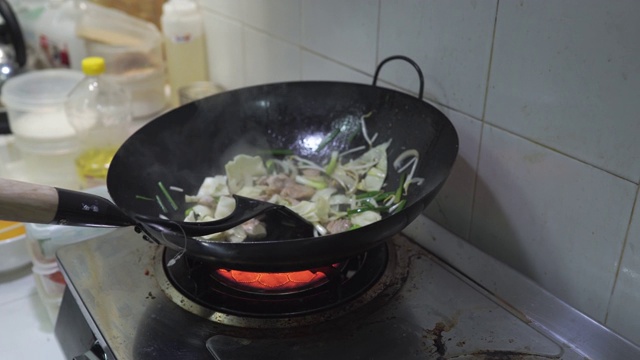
<point x="435" y="336"/>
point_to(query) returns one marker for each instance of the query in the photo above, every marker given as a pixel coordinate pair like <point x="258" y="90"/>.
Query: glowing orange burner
<point x="271" y="282"/>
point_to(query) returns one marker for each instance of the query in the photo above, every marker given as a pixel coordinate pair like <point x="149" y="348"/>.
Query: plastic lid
<point x="36" y="89"/>
<point x="179" y="7"/>
<point x="93" y="65"/>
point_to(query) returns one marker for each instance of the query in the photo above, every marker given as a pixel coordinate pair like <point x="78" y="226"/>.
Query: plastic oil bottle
<point x="184" y="42"/>
<point x="100" y="112"/>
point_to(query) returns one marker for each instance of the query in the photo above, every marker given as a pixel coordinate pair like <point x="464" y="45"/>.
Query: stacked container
<point x="42" y="242"/>
<point x="42" y="134"/>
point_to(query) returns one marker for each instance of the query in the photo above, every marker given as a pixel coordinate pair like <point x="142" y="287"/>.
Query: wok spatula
<point x="42" y="204"/>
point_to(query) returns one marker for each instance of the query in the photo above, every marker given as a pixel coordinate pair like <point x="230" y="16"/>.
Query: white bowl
<point x="14" y="253"/>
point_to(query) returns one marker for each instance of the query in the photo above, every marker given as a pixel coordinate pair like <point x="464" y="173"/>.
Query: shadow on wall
<point x="486" y="219"/>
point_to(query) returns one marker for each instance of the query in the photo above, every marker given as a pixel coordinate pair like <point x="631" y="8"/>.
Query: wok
<point x="183" y="146"/>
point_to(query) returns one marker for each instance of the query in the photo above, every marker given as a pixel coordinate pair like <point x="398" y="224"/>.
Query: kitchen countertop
<point x="26" y="331"/>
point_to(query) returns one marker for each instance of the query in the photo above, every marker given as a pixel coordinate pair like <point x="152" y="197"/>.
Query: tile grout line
<point x="482" y="123"/>
<point x="624" y="247"/>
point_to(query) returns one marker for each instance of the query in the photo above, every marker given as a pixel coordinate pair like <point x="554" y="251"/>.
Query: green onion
<point x="367" y="208"/>
<point x="166" y="194"/>
<point x="140" y="197"/>
<point x="398" y="207"/>
<point x="333" y="163"/>
<point x="329" y="138"/>
<point x="383" y="196"/>
<point x="316" y="184"/>
<point x="277" y="152"/>
<point x="400" y="189"/>
<point x="164" y="209"/>
<point x="367" y="195"/>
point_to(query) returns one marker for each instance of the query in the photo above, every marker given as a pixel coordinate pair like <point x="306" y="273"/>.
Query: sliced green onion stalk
<point x="398" y="207"/>
<point x="313" y="183"/>
<point x="333" y="163"/>
<point x="400" y="190"/>
<point x="280" y="152"/>
<point x="164" y="208"/>
<point x="364" y="208"/>
<point x="369" y="194"/>
<point x="140" y="197"/>
<point x="173" y="204"/>
<point x="329" y="138"/>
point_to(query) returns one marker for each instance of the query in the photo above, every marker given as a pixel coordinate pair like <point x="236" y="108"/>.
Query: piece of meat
<point x="297" y="191"/>
<point x="286" y="187"/>
<point x="338" y="226"/>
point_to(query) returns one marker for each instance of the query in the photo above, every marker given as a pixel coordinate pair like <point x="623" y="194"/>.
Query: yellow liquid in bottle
<point x="187" y="63"/>
<point x="93" y="165"/>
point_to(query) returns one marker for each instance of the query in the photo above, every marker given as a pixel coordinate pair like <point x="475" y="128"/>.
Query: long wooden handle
<point x="26" y="202"/>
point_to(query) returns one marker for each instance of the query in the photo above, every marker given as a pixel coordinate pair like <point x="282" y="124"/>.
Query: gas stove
<point x="128" y="299"/>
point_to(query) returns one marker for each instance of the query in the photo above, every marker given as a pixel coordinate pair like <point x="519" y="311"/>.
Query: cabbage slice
<point x="242" y="170"/>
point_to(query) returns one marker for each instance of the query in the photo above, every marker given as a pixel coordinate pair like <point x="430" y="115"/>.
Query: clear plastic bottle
<point x="183" y="29"/>
<point x="100" y="112"/>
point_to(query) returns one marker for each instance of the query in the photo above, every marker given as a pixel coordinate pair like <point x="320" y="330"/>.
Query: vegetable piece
<point x="241" y="171"/>
<point x="373" y="164"/>
<point x="314" y="183"/>
<point x="173" y="204"/>
<point x="365" y="218"/>
<point x="413" y="162"/>
<point x="213" y="186"/>
<point x="162" y="207"/>
<point x="226" y="205"/>
<point x="331" y="167"/>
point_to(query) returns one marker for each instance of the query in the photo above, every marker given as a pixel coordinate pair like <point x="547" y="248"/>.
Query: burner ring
<point x="287" y="309"/>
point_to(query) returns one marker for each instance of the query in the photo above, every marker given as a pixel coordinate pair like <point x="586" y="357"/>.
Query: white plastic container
<point x="183" y="29"/>
<point x="35" y="108"/>
<point x="132" y="49"/>
<point x="55" y="32"/>
<point x="49" y="292"/>
<point x="42" y="134"/>
<point x="14" y="253"/>
<point x="63" y="32"/>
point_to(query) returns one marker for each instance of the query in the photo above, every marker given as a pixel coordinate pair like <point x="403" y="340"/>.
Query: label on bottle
<point x="182" y="38"/>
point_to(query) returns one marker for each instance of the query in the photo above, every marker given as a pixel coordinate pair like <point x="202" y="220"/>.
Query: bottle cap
<point x="93" y="65"/>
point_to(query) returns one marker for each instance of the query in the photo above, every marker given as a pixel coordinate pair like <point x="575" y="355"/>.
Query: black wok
<point x="182" y="147"/>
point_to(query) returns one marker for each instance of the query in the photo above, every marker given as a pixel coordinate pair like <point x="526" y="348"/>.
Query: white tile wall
<point x="529" y="203"/>
<point x="566" y="74"/>
<point x="452" y="44"/>
<point x="230" y="8"/>
<point x="541" y="93"/>
<point x="344" y="31"/>
<point x="225" y="50"/>
<point x="269" y="59"/>
<point x="315" y="67"/>
<point x="280" y="18"/>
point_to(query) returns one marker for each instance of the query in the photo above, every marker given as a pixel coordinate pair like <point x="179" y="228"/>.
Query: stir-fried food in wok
<point x="347" y="191"/>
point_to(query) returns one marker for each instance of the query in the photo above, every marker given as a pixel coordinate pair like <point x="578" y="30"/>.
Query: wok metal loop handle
<point x="410" y="61"/>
